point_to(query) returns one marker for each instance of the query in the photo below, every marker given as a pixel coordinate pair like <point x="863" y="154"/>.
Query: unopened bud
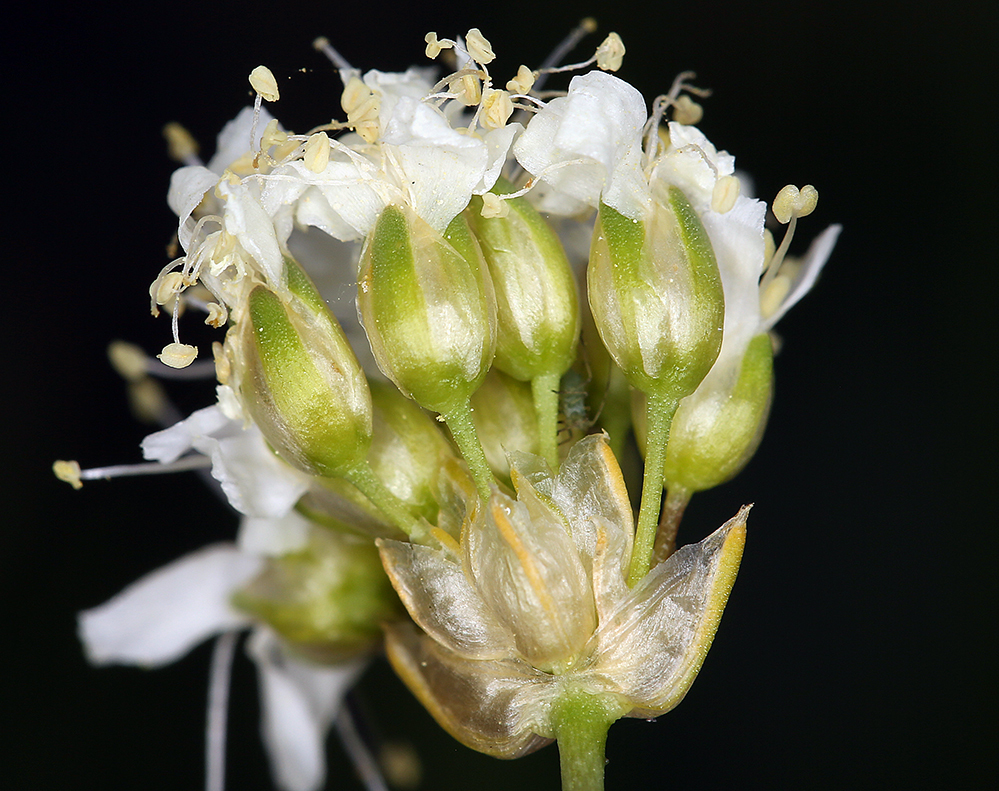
<point x="505" y="419"/>
<point x="656" y="295"/>
<point x="537" y="308"/>
<point x="300" y="380"/>
<point x="427" y="308"/>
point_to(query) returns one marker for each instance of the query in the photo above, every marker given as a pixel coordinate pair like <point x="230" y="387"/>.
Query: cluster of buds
<point x="412" y="423"/>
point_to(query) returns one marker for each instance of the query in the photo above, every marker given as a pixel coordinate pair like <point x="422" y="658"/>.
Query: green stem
<point x="459" y="422"/>
<point x="659" y="413"/>
<point x="544" y="388"/>
<point x="675" y="504"/>
<point x="370" y="485"/>
<point x="581" y="722"/>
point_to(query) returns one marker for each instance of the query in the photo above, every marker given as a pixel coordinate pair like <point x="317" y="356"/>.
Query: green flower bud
<point x="505" y="420"/>
<point x="328" y="599"/>
<point x="537" y="307"/>
<point x="717" y="429"/>
<point x="299" y="379"/>
<point x="656" y="295"/>
<point x="427" y="308"/>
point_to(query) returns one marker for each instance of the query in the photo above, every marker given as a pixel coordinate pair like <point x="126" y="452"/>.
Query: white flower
<point x="159" y="618"/>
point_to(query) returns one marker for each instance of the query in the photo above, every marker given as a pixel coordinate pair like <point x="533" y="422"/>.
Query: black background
<point x="858" y="649"/>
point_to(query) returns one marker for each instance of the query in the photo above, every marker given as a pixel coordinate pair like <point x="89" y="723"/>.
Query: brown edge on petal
<point x="729" y="558"/>
<point x="402" y="642"/>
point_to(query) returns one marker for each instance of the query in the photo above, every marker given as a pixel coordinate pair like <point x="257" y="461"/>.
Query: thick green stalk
<point x="370" y="485"/>
<point x="544" y="388"/>
<point x="459" y="422"/>
<point x="659" y="413"/>
<point x="581" y="722"/>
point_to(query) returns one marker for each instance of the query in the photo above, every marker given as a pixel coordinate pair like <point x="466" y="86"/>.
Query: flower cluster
<point x="419" y="416"/>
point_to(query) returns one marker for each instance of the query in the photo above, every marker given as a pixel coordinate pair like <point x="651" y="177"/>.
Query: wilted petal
<point x="491" y="706"/>
<point x="159" y="618"/>
<point x="234" y="140"/>
<point x="299" y="701"/>
<point x="438" y="596"/>
<point x="530" y="575"/>
<point x="651" y="648"/>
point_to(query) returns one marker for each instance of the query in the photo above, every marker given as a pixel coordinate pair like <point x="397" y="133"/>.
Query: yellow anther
<point x="355" y="93"/>
<point x="469" y="90"/>
<point x="147" y="399"/>
<point x="320" y="43"/>
<point x="434" y="45"/>
<point x="773" y="294"/>
<point x="317" y="152"/>
<point x="168" y="286"/>
<point x="725" y="192"/>
<point x="523" y="82"/>
<point x="177" y="355"/>
<point x="273" y="135"/>
<point x="217" y="314"/>
<point x="479" y="47"/>
<point x="223" y="368"/>
<point x="128" y="360"/>
<point x="68" y="471"/>
<point x="610" y="53"/>
<point x="687" y="111"/>
<point x="497" y="107"/>
<point x="263" y="82"/>
<point x="181" y="145"/>
<point x="588" y="24"/>
<point x="792" y="202"/>
<point x="494" y="206"/>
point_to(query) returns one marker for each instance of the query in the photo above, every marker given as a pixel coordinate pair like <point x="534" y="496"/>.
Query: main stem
<point x="544" y="388"/>
<point x="581" y="722"/>
<point x="459" y="422"/>
<point x="660" y="413"/>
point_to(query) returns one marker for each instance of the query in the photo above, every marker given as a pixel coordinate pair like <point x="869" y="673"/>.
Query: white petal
<point x="188" y="186"/>
<point x="234" y="139"/>
<point x="811" y="265"/>
<point x="273" y="536"/>
<point x="171" y="443"/>
<point x="299" y="701"/>
<point x="246" y="219"/>
<point x="693" y="164"/>
<point x="159" y="618"/>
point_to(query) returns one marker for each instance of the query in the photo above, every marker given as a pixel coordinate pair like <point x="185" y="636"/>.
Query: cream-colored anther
<point x="479" y="47"/>
<point x="317" y="152"/>
<point x="434" y="45"/>
<point x="468" y="90"/>
<point x="773" y="294"/>
<point x="147" y="399"/>
<point x="181" y="145"/>
<point x="725" y="191"/>
<point x="792" y="202"/>
<point x="68" y="471"/>
<point x="273" y="135"/>
<point x="355" y="93"/>
<point x="610" y="53"/>
<point x="177" y="355"/>
<point x="217" y="314"/>
<point x="494" y="206"/>
<point x="168" y="286"/>
<point x="497" y="107"/>
<point x="223" y="368"/>
<point x="128" y="360"/>
<point x="588" y="24"/>
<point x="523" y="82"/>
<point x="769" y="246"/>
<point x="686" y="111"/>
<point x="262" y="81"/>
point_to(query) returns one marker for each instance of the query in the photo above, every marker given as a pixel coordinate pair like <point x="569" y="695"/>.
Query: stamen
<point x="322" y="44"/>
<point x="479" y="48"/>
<point x="586" y="26"/>
<point x="177" y="355"/>
<point x="790" y="204"/>
<point x="181" y="145"/>
<point x="610" y="53"/>
<point x="263" y="82"/>
<point x="523" y="82"/>
<point x="364" y="763"/>
<point x="494" y="206"/>
<point x="725" y="193"/>
<point x="218" y="705"/>
<point x="70" y="472"/>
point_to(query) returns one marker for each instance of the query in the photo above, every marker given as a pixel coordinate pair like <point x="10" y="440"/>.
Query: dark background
<point x="858" y="649"/>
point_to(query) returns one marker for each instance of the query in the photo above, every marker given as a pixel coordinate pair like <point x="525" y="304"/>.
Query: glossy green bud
<point x="328" y="599"/>
<point x="537" y="307"/>
<point x="656" y="295"/>
<point x="299" y="379"/>
<point x="717" y="429"/>
<point x="427" y="308"/>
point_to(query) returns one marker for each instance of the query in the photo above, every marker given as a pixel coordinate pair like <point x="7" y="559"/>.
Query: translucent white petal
<point x="435" y="591"/>
<point x="246" y="219"/>
<point x="299" y="701"/>
<point x="159" y="618"/>
<point x="693" y="164"/>
<point x="273" y="536"/>
<point x="234" y="139"/>
<point x="811" y="266"/>
<point x="171" y="443"/>
<point x="188" y="186"/>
